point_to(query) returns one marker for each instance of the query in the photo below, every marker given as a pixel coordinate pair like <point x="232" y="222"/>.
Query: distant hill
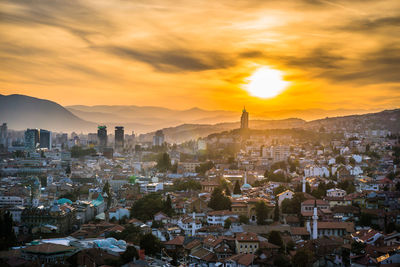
<point x="186" y="132"/>
<point x="144" y="119"/>
<point x="21" y="112"/>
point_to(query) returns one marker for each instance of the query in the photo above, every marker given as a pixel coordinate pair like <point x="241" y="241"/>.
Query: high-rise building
<point x="31" y="139"/>
<point x="119" y="138"/>
<point x="158" y="138"/>
<point x="102" y="136"/>
<point x="244" y="120"/>
<point x="45" y="139"/>
<point x="3" y="135"/>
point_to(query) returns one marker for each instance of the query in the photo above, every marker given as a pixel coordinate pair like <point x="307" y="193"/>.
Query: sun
<point x="265" y="83"/>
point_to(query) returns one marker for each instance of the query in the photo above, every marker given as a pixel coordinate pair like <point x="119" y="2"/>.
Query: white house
<point x="335" y="192"/>
<point x="284" y="195"/>
<point x="218" y="217"/>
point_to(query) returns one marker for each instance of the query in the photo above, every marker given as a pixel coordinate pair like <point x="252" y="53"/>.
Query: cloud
<point x="174" y="60"/>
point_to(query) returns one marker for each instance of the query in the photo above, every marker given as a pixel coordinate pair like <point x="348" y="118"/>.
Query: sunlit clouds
<point x="180" y="54"/>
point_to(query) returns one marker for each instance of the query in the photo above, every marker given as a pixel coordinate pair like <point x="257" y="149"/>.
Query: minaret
<point x="245" y="177"/>
<point x="315" y="222"/>
<point x="304" y="184"/>
<point x="194" y="224"/>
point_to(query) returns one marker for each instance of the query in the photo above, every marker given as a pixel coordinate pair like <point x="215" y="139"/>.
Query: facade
<point x="102" y="137"/>
<point x="284" y="195"/>
<point x="246" y="243"/>
<point x="158" y="138"/>
<point x="218" y="217"/>
<point x="119" y="138"/>
<point x="244" y="120"/>
<point x="45" y="139"/>
<point x="11" y="201"/>
<point x="31" y="139"/>
<point x="335" y="192"/>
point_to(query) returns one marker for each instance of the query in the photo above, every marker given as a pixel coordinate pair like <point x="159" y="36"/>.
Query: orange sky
<point x="181" y="54"/>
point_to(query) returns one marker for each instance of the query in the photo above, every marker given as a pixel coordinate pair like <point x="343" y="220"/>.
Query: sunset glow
<point x="266" y="83"/>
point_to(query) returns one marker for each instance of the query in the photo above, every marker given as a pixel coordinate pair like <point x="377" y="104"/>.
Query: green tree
<point x="340" y="160"/>
<point x="163" y="162"/>
<point x="303" y="258"/>
<point x="168" y="206"/>
<point x="151" y="244"/>
<point x="243" y="219"/>
<point x="7" y="235"/>
<point x="219" y="201"/>
<point x="202" y="168"/>
<point x="274" y="237"/>
<point x="236" y="189"/>
<point x="261" y="212"/>
<point x="227" y="223"/>
<point x="129" y="255"/>
<point x="145" y="208"/>
<point x="279" y="190"/>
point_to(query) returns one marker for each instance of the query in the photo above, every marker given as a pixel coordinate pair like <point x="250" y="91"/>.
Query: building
<point x="246" y="243"/>
<point x="11" y="201"/>
<point x="244" y="120"/>
<point x="45" y="139"/>
<point x="31" y="139"/>
<point x="219" y="217"/>
<point x="3" y="135"/>
<point x="276" y="153"/>
<point x="284" y="195"/>
<point x="158" y="138"/>
<point x="119" y="138"/>
<point x="102" y="137"/>
<point x="335" y="192"/>
<point x="47" y="253"/>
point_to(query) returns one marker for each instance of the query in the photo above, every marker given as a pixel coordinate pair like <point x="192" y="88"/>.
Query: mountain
<point x="21" y="112"/>
<point x="144" y="119"/>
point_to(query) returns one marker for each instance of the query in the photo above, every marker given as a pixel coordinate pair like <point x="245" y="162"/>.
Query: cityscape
<point x="200" y="133"/>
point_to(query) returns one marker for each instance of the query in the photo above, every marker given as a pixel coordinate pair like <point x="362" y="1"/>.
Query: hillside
<point x="21" y="112"/>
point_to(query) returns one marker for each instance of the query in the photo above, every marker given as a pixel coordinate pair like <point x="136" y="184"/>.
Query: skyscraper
<point x="3" y="135"/>
<point x="244" y="120"/>
<point x="102" y="136"/>
<point x="31" y="139"/>
<point x="119" y="138"/>
<point x="158" y="138"/>
<point x="45" y="139"/>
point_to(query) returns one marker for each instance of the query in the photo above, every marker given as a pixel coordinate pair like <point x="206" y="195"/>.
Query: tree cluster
<point x="219" y="201"/>
<point x="7" y="235"/>
<point x="145" y="208"/>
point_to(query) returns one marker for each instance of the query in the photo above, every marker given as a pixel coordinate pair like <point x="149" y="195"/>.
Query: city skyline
<point x="332" y="54"/>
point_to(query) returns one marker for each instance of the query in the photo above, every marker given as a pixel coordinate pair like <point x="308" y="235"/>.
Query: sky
<point x="193" y="53"/>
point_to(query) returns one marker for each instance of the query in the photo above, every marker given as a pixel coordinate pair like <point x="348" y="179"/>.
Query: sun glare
<point x="265" y="83"/>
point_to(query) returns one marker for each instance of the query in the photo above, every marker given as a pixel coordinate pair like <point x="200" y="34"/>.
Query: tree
<point x="261" y="212"/>
<point x="68" y="169"/>
<point x="227" y="223"/>
<point x="275" y="238"/>
<point x="303" y="258"/>
<point x="276" y="212"/>
<point x="7" y="235"/>
<point x="203" y="167"/>
<point x="236" y="189"/>
<point x="168" y="206"/>
<point x="151" y="244"/>
<point x="163" y="162"/>
<point x="219" y="201"/>
<point x="145" y="208"/>
<point x="281" y="261"/>
<point x="243" y="219"/>
<point x="129" y="254"/>
<point x="279" y="190"/>
<point x="340" y="160"/>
